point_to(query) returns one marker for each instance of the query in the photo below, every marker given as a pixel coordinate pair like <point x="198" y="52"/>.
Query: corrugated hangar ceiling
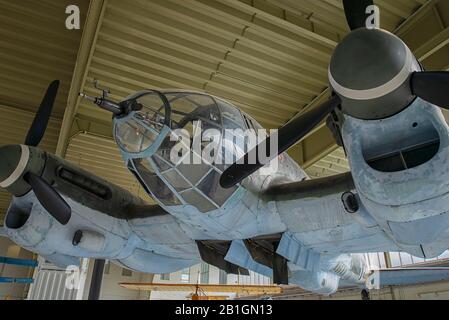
<point x="35" y="49"/>
<point x="269" y="57"/>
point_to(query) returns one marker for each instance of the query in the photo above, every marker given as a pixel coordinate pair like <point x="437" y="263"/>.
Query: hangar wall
<point x="111" y="289"/>
<point x="209" y="275"/>
<point x="54" y="283"/>
<point x="14" y="291"/>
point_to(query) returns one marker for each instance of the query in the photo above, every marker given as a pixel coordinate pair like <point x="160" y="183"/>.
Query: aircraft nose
<point x="13" y="161"/>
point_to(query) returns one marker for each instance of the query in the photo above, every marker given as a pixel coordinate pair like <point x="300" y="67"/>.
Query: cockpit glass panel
<point x="188" y="175"/>
<point x="194" y="172"/>
<point x="165" y="149"/>
<point x="133" y="137"/>
<point x="229" y="124"/>
<point x="176" y="180"/>
<point x="189" y="107"/>
<point x="232" y="118"/>
<point x="151" y="111"/>
<point x="161" y="164"/>
<point x="252" y="124"/>
<point x="154" y="183"/>
<point x="210" y="186"/>
<point x="234" y="136"/>
<point x="194" y="198"/>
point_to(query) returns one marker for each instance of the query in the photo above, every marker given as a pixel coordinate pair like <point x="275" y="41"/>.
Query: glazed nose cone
<point x="12" y="163"/>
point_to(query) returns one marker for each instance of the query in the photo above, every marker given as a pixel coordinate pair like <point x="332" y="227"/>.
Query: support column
<point x="97" y="279"/>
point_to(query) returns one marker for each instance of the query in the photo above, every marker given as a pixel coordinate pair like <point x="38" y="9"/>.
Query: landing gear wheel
<point x="365" y="295"/>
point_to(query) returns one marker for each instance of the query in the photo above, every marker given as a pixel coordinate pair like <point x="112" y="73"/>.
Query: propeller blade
<point x="49" y="198"/>
<point x="355" y="11"/>
<point x="287" y="136"/>
<point x="432" y="86"/>
<point x="40" y="122"/>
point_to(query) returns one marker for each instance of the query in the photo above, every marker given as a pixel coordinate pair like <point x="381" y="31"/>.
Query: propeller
<point x="49" y="198"/>
<point x="355" y="11"/>
<point x="287" y="136"/>
<point x="40" y="122"/>
<point x="432" y="86"/>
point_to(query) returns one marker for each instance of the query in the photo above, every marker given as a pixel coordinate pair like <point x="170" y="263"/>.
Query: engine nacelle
<point x="402" y="175"/>
<point x="28" y="224"/>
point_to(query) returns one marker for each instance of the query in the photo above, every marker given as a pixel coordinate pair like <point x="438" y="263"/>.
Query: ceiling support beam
<point x="271" y="12"/>
<point x="433" y="45"/>
<point x="416" y="17"/>
<point x="87" y="47"/>
<point x="97" y="280"/>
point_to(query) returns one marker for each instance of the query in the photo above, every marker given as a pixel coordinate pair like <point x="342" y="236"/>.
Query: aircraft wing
<point x="406" y="276"/>
<point x="311" y="188"/>
<point x="326" y="215"/>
